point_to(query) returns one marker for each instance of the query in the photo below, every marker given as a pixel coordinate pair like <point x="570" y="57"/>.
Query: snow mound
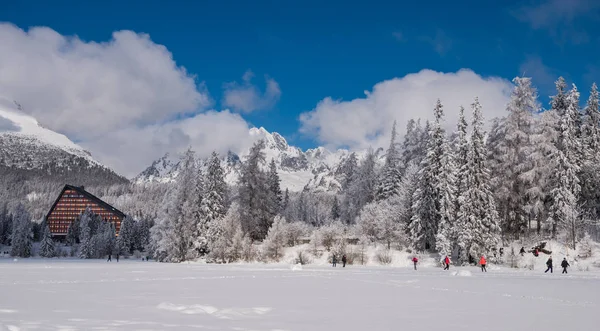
<point x="297" y="267"/>
<point x="461" y="273"/>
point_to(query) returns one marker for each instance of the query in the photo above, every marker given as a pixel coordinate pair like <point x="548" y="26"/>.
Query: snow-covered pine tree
<point x="543" y="158"/>
<point x="405" y="197"/>
<point x="559" y="102"/>
<point x="591" y="126"/>
<point x="276" y="239"/>
<point x="477" y="227"/>
<point x="367" y="179"/>
<point x="335" y="209"/>
<point x="422" y="228"/>
<point x="274" y="188"/>
<point x="390" y="177"/>
<point x="21" y="233"/>
<point x="125" y="242"/>
<point x="444" y="167"/>
<point x="363" y="188"/>
<point x="286" y="200"/>
<point x="47" y="247"/>
<point x="212" y="204"/>
<point x="73" y="232"/>
<point x="414" y="144"/>
<point x="462" y="156"/>
<point x="86" y="249"/>
<point x="565" y="211"/>
<point x="254" y="194"/>
<point x="5" y="225"/>
<point x="173" y="234"/>
<point x="349" y="170"/>
<point x="514" y="149"/>
<point x="590" y="167"/>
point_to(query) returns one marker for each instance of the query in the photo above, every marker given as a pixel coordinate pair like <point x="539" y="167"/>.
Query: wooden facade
<point x="73" y="201"/>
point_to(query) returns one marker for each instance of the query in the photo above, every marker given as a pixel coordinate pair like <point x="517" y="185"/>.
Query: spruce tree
<point x="477" y="227"/>
<point x="286" y="200"/>
<point x="514" y="148"/>
<point x="390" y="178"/>
<point x="126" y="233"/>
<point x="540" y="178"/>
<point x="433" y="200"/>
<point x="173" y="234"/>
<point x="443" y="171"/>
<point x="335" y="209"/>
<point x="21" y="233"/>
<point x="255" y="208"/>
<point x="462" y="155"/>
<point x="47" y="247"/>
<point x="212" y="204"/>
<point x="565" y="212"/>
<point x="590" y="167"/>
<point x="414" y="144"/>
<point x="273" y="183"/>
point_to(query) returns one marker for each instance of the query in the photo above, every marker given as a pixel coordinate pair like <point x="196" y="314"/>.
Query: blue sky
<point x="339" y="49"/>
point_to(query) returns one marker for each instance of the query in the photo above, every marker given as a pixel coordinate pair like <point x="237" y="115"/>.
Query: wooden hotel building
<point x="73" y="201"/>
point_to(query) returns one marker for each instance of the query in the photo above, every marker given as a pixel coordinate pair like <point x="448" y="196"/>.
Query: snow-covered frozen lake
<point x="135" y="295"/>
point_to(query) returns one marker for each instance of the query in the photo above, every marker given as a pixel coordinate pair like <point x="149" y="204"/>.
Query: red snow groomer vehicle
<point x="540" y="248"/>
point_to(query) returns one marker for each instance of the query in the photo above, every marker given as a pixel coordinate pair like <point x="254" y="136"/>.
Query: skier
<point x="109" y="258"/>
<point x="482" y="261"/>
<point x="344" y="261"/>
<point x="334" y="260"/>
<point x="549" y="264"/>
<point x="447" y="263"/>
<point x="415" y="260"/>
<point x="564" y="264"/>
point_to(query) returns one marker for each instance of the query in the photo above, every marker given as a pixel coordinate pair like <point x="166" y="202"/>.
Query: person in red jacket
<point x="482" y="261"/>
<point x="447" y="263"/>
<point x="415" y="260"/>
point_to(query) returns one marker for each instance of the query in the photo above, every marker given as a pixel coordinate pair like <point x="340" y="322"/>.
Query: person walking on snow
<point x="415" y="260"/>
<point x="447" y="263"/>
<point x="344" y="261"/>
<point x="549" y="264"/>
<point x="334" y="260"/>
<point x="109" y="258"/>
<point x="564" y="264"/>
<point x="482" y="261"/>
<point x="117" y="257"/>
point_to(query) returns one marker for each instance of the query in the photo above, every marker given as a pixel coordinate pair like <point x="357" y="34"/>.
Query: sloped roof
<point x="88" y="195"/>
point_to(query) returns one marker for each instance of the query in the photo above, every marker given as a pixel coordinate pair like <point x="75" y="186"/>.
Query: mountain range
<point x="28" y="147"/>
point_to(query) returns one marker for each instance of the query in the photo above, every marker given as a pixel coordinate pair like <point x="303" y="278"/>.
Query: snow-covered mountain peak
<point x="15" y="124"/>
<point x="314" y="169"/>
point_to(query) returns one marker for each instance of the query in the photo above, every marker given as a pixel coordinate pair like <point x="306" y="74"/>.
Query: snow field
<point x="42" y="294"/>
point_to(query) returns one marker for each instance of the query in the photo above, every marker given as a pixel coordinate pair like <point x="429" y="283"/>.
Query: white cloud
<point x="246" y="97"/>
<point x="125" y="100"/>
<point x="441" y="43"/>
<point x="84" y="89"/>
<point x="129" y="151"/>
<point x="561" y="18"/>
<point x="367" y="121"/>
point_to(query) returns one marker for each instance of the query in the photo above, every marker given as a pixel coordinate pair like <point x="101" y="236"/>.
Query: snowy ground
<point x="134" y="295"/>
